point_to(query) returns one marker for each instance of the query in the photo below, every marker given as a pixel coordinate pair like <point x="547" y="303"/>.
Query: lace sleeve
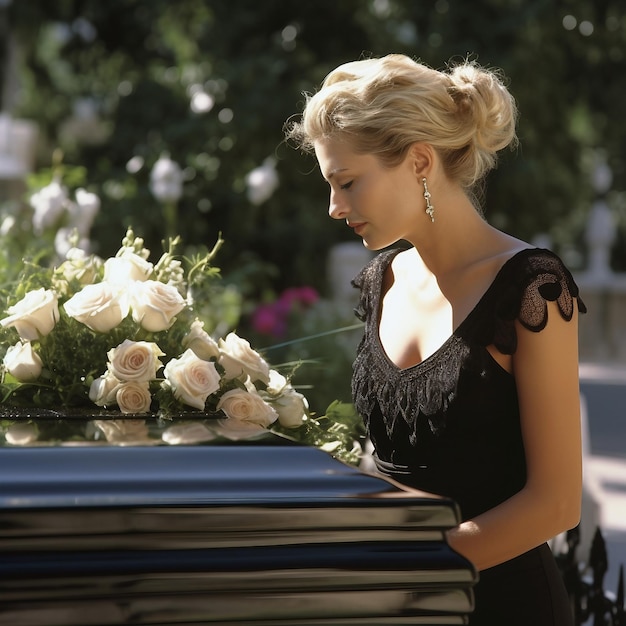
<point x="536" y="278"/>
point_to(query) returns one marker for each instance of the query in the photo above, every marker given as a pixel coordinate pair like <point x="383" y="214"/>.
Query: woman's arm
<point x="545" y="366"/>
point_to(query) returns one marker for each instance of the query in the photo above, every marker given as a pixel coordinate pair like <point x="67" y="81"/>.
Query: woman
<point x="467" y="374"/>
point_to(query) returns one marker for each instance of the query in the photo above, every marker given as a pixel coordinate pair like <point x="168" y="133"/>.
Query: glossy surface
<point x="248" y="532"/>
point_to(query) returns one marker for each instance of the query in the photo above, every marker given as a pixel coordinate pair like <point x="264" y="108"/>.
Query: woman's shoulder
<point x="521" y="291"/>
<point x="532" y="259"/>
<point x="540" y="276"/>
<point x="537" y="269"/>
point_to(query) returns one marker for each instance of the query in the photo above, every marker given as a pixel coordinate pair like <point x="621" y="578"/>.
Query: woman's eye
<point x="347" y="185"/>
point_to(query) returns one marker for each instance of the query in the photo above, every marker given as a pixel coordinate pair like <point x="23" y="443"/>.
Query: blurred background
<point x="172" y="114"/>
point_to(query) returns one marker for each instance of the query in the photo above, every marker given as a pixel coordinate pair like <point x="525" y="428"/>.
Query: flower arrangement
<point x="124" y="335"/>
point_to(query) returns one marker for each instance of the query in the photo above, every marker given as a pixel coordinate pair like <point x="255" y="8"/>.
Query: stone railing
<point x="603" y="329"/>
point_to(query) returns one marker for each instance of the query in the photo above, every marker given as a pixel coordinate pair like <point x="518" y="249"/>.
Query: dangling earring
<point x="430" y="209"/>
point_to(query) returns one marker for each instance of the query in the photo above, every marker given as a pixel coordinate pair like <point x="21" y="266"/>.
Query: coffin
<point x="212" y="531"/>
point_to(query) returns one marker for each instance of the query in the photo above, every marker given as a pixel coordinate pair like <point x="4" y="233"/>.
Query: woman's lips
<point x="356" y="226"/>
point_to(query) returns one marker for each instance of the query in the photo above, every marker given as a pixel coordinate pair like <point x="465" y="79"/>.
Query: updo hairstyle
<point x="383" y="106"/>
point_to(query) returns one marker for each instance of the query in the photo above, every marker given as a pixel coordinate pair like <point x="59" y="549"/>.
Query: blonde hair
<point x="382" y="106"/>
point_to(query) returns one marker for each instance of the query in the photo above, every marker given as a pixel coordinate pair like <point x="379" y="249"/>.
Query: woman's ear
<point x="422" y="159"/>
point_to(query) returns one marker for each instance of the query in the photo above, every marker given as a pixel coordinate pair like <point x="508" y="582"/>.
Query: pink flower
<point x="305" y="296"/>
<point x="271" y="319"/>
<point x="267" y="319"/>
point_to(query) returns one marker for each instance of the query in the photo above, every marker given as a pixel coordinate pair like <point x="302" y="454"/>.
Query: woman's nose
<point x="336" y="207"/>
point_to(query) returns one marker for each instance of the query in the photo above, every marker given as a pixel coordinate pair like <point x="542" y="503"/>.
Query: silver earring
<point x="430" y="209"/>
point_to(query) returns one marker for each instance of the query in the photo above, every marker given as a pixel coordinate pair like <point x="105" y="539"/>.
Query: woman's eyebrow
<point x="336" y="171"/>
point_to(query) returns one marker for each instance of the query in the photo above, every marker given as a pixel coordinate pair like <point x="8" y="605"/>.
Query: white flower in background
<point x="64" y="240"/>
<point x="262" y="182"/>
<point x="191" y="379"/>
<point x="49" y="204"/>
<point x="22" y="362"/>
<point x="239" y="360"/>
<point x="83" y="212"/>
<point x="133" y="397"/>
<point x="166" y="180"/>
<point x="35" y="315"/>
<point x="7" y="225"/>
<point x="127" y="266"/>
<point x="103" y="390"/>
<point x="155" y="305"/>
<point x="135" y="361"/>
<point x="203" y="345"/>
<point x="247" y="406"/>
<point x="100" y="306"/>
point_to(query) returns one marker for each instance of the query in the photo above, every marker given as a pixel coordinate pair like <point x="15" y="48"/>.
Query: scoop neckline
<point x="431" y="358"/>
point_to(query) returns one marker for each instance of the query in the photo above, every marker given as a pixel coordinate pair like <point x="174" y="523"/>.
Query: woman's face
<point x="383" y="205"/>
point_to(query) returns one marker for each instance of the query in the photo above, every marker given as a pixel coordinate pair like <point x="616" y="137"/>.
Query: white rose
<point x="22" y="362"/>
<point x="100" y="306"/>
<point x="127" y="267"/>
<point x="247" y="406"/>
<point x="191" y="379"/>
<point x="291" y="407"/>
<point x="35" y="315"/>
<point x="154" y="305"/>
<point x="135" y="360"/>
<point x="203" y="345"/>
<point x="79" y="266"/>
<point x="104" y="389"/>
<point x="133" y="397"/>
<point x="276" y="383"/>
<point x="49" y="203"/>
<point x="239" y="359"/>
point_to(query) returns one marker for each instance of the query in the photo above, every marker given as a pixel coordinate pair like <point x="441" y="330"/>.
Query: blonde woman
<point x="467" y="373"/>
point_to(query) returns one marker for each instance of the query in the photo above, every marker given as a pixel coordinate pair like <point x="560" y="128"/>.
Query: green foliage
<point x="74" y="355"/>
<point x="340" y="432"/>
<point x="139" y="62"/>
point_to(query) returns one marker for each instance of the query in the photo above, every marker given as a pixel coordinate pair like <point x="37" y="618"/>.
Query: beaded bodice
<point x="456" y="411"/>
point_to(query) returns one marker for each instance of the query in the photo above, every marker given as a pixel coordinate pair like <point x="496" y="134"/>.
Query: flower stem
<point x="316" y="336"/>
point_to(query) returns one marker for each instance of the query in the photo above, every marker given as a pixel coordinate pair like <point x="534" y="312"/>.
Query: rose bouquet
<point x="125" y="335"/>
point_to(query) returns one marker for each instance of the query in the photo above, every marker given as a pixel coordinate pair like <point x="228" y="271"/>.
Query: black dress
<point x="450" y="425"/>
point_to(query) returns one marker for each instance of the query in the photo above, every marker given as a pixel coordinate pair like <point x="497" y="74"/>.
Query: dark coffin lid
<point x="254" y="531"/>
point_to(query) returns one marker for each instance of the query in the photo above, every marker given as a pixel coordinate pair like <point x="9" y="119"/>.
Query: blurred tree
<point x="118" y="84"/>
